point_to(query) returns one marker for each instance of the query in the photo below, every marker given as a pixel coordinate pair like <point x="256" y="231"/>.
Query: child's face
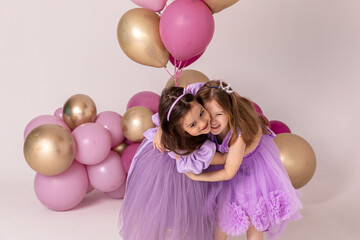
<point x="196" y="121"/>
<point x="219" y="120"/>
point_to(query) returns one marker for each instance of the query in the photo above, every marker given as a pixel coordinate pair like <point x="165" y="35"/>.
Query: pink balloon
<point x="154" y="5"/>
<point x="107" y="175"/>
<point x="58" y="113"/>
<point x="118" y="193"/>
<point x="146" y="99"/>
<point x="112" y="122"/>
<point x="267" y="120"/>
<point x="181" y="64"/>
<point x="279" y="127"/>
<point x="93" y="143"/>
<point x="186" y="28"/>
<point x="128" y="155"/>
<point x="257" y="108"/>
<point x="129" y="141"/>
<point x="90" y="188"/>
<point x="63" y="191"/>
<point x="44" y="119"/>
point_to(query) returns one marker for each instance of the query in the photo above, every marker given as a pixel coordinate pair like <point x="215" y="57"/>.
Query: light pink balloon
<point x="181" y="64"/>
<point x="58" y="113"/>
<point x="154" y="5"/>
<point x="146" y="99"/>
<point x="107" y="175"/>
<point x="63" y="191"/>
<point x="93" y="143"/>
<point x="112" y="122"/>
<point x="186" y="28"/>
<point x="44" y="119"/>
<point x="118" y="193"/>
<point x="128" y="155"/>
<point x="90" y="188"/>
<point x="279" y="127"/>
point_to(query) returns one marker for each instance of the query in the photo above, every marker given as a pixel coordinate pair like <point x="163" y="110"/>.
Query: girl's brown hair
<point x="240" y="111"/>
<point x="174" y="137"/>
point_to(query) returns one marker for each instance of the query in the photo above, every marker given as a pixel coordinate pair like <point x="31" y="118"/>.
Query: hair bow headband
<point x="188" y="89"/>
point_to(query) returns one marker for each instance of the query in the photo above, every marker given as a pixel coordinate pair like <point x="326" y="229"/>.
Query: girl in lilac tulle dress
<point x="256" y="195"/>
<point x="160" y="201"/>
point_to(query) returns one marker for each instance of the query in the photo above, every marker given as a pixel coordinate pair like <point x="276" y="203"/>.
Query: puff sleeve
<point x="197" y="161"/>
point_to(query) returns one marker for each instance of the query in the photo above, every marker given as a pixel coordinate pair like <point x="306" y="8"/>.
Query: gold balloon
<point x="187" y="77"/>
<point x="120" y="148"/>
<point x="135" y="122"/>
<point x="139" y="37"/>
<point x="79" y="109"/>
<point x="218" y="5"/>
<point x="49" y="149"/>
<point x="298" y="158"/>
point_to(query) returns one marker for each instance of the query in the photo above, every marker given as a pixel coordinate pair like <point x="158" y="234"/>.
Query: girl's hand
<point x="157" y="140"/>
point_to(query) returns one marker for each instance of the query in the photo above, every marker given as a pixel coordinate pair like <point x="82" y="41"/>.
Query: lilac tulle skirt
<point x="161" y="203"/>
<point x="259" y="195"/>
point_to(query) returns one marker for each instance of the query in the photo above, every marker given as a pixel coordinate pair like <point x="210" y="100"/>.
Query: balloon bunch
<point x="77" y="150"/>
<point x="296" y="153"/>
<point x="180" y="32"/>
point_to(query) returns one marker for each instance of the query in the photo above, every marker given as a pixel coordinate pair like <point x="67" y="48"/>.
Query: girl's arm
<point x="232" y="165"/>
<point x="219" y="159"/>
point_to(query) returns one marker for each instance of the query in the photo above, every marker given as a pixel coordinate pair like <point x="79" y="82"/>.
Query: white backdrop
<point x="298" y="60"/>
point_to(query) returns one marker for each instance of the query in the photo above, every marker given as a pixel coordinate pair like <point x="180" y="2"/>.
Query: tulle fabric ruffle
<point x="162" y="204"/>
<point x="259" y="195"/>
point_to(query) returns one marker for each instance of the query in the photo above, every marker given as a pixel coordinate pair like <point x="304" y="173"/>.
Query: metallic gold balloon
<point x="135" y="122"/>
<point x="218" y="5"/>
<point x="298" y="158"/>
<point x="139" y="37"/>
<point x="187" y="77"/>
<point x="120" y="148"/>
<point x="79" y="109"/>
<point x="49" y="149"/>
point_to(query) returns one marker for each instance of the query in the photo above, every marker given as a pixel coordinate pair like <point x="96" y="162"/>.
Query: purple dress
<point x="163" y="203"/>
<point x="260" y="194"/>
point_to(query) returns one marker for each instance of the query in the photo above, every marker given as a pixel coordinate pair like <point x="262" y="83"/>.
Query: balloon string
<point x="169" y="73"/>
<point x="177" y="70"/>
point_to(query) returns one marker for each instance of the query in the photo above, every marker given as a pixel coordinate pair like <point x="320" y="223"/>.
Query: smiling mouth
<point x="214" y="128"/>
<point x="206" y="126"/>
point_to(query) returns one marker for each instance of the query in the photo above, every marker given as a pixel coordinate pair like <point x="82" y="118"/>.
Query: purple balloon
<point x="59" y="113"/>
<point x="63" y="191"/>
<point x="107" y="175"/>
<point x="279" y="127"/>
<point x="44" y="119"/>
<point x="181" y="64"/>
<point x="186" y="28"/>
<point x="93" y="143"/>
<point x="118" y="193"/>
<point x="112" y="122"/>
<point x="146" y="99"/>
<point x="128" y="155"/>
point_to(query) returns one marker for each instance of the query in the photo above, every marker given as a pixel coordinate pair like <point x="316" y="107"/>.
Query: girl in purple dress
<point x="160" y="201"/>
<point x="256" y="195"/>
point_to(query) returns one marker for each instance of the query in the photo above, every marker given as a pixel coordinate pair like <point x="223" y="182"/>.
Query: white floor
<point x="22" y="216"/>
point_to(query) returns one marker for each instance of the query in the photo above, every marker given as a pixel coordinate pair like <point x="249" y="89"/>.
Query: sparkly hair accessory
<point x="188" y="89"/>
<point x="225" y="89"/>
